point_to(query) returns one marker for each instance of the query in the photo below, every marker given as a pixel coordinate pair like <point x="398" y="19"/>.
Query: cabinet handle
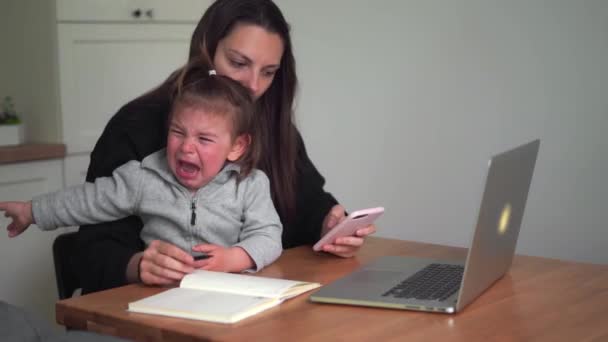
<point x="136" y="13"/>
<point x="150" y="13"/>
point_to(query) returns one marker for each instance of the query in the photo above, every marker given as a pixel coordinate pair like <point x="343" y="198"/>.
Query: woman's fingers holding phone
<point x="333" y="217"/>
<point x="344" y="250"/>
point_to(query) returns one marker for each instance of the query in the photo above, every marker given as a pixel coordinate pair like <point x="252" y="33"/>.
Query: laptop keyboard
<point x="434" y="282"/>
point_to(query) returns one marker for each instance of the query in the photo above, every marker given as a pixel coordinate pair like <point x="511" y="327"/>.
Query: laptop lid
<point x="489" y="257"/>
<point x="500" y="215"/>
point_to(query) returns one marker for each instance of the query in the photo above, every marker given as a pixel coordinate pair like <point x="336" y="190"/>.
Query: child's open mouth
<point x="186" y="170"/>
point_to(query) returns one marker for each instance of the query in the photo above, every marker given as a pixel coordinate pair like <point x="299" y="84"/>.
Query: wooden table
<point x="538" y="300"/>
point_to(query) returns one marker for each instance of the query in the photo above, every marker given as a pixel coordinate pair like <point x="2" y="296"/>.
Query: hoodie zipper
<point x="193" y="216"/>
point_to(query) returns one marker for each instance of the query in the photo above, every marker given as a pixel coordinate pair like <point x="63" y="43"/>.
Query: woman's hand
<point x="223" y="259"/>
<point x="346" y="246"/>
<point x="163" y="263"/>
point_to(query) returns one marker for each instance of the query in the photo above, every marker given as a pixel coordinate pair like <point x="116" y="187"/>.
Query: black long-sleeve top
<point x="138" y="129"/>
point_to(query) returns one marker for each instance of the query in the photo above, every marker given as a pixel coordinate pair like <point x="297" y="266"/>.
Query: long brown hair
<point x="274" y="109"/>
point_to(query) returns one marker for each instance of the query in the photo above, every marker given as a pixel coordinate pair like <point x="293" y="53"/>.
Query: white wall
<point x="28" y="65"/>
<point x="8" y="54"/>
<point x="402" y="102"/>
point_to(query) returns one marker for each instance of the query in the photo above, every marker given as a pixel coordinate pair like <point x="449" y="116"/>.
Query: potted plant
<point x="11" y="128"/>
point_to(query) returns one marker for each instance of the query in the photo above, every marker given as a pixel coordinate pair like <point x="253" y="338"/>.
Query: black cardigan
<point x="137" y="130"/>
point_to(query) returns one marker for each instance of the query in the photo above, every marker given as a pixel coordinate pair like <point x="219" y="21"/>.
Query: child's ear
<point x="239" y="146"/>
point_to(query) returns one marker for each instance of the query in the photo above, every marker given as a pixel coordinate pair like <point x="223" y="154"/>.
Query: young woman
<point x="248" y="41"/>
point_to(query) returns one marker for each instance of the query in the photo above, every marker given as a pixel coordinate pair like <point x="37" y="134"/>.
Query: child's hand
<point x="21" y="213"/>
<point x="223" y="259"/>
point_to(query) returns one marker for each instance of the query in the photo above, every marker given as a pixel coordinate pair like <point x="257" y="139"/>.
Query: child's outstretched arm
<point x="21" y="213"/>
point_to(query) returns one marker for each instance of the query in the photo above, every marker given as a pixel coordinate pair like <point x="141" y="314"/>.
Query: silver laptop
<point x="447" y="286"/>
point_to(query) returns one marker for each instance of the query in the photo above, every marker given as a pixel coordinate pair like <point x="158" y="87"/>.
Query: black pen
<point x="200" y="256"/>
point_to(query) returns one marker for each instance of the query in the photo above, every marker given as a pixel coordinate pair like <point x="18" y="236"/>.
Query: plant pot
<point x="11" y="134"/>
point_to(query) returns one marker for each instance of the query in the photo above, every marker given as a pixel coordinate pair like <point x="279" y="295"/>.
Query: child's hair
<point x="198" y="85"/>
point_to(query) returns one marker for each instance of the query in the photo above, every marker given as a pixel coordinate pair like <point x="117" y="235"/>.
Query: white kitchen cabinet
<point x="28" y="274"/>
<point x="103" y="66"/>
<point x="127" y="10"/>
<point x="108" y="56"/>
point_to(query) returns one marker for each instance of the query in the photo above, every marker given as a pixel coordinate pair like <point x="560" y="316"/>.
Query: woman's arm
<point x="103" y="252"/>
<point x="312" y="202"/>
<point x="317" y="212"/>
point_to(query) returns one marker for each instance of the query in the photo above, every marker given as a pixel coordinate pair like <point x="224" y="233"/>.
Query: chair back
<point x="65" y="270"/>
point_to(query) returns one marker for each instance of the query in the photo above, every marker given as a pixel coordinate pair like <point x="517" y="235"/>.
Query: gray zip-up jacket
<point x="220" y="213"/>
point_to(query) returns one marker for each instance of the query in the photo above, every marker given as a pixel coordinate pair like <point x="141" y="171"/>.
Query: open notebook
<point x="221" y="297"/>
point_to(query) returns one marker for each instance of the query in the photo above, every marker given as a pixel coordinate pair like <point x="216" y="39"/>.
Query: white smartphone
<point x="356" y="220"/>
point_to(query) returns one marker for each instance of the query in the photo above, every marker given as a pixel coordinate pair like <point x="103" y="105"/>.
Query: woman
<point x="248" y="41"/>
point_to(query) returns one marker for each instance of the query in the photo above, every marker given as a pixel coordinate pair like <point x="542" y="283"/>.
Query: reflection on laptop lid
<point x="449" y="285"/>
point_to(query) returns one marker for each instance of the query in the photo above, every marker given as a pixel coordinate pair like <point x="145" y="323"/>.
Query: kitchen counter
<point x="30" y="152"/>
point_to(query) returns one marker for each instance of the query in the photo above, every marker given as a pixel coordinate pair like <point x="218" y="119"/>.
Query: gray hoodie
<point x="220" y="213"/>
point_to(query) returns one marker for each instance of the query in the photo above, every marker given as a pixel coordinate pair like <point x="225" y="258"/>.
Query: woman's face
<point x="250" y="55"/>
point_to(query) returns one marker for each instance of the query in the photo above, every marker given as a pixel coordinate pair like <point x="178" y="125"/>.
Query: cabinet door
<point x="103" y="66"/>
<point x="28" y="274"/>
<point x="128" y="10"/>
